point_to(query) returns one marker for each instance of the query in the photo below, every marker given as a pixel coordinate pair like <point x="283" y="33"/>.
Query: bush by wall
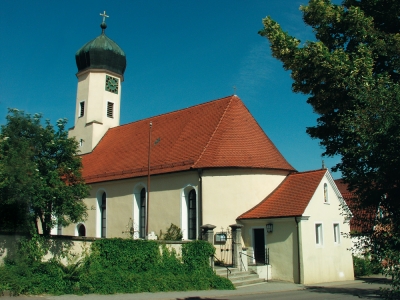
<point x="364" y="266"/>
<point x="173" y="233"/>
<point x="115" y="266"/>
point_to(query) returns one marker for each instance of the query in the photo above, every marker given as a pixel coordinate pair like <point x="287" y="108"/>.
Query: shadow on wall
<point x="59" y="247"/>
<point x="8" y="246"/>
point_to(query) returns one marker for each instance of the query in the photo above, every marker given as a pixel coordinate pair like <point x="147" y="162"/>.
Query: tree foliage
<point x="351" y="74"/>
<point x="173" y="233"/>
<point x="40" y="175"/>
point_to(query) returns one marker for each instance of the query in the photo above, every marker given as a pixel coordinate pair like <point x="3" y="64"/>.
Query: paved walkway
<point x="268" y="287"/>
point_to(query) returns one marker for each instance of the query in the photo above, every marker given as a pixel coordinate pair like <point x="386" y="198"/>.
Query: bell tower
<point x="101" y="65"/>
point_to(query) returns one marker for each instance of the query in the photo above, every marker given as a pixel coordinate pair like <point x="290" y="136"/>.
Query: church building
<point x="207" y="164"/>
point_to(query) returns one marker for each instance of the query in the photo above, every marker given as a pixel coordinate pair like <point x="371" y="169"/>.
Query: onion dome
<point x="101" y="53"/>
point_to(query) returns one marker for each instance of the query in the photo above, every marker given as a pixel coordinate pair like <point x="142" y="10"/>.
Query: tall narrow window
<point x="192" y="220"/>
<point x="318" y="234"/>
<point x="142" y="214"/>
<point x="110" y="109"/>
<point x="326" y="200"/>
<point x="81" y="108"/>
<point x="336" y="233"/>
<point x="103" y="215"/>
<point x="59" y="229"/>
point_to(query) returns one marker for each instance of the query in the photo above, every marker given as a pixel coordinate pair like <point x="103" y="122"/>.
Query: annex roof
<point x="363" y="218"/>
<point x="220" y="133"/>
<point x="289" y="199"/>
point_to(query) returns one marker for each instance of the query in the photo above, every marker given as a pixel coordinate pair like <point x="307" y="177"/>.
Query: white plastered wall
<point x="227" y="193"/>
<point x="282" y="245"/>
<point x="330" y="261"/>
<point x="164" y="205"/>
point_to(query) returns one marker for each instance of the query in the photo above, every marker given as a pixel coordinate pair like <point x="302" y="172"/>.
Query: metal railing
<point x="222" y="265"/>
<point x="265" y="262"/>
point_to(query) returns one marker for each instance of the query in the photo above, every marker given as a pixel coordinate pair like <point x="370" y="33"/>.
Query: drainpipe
<point x="148" y="183"/>
<point x="200" y="200"/>
<point x="298" y="248"/>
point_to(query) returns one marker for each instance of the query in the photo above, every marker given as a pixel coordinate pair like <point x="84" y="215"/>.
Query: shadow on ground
<point x="369" y="290"/>
<point x="196" y="298"/>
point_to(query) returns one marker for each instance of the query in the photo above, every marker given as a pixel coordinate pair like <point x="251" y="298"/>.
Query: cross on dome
<point x="104" y="16"/>
<point x="103" y="25"/>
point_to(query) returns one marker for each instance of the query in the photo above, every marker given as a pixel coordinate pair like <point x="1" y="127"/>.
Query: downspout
<point x="148" y="183"/>
<point x="298" y="248"/>
<point x="200" y="201"/>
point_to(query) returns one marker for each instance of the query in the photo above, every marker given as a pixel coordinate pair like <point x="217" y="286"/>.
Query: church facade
<point x="207" y="164"/>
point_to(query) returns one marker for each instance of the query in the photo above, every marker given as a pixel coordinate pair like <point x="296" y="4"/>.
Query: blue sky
<point x="179" y="54"/>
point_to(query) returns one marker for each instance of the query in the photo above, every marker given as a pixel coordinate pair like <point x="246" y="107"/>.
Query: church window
<point x="81" y="108"/>
<point x="192" y="218"/>
<point x="110" y="110"/>
<point x="142" y="214"/>
<point x="81" y="230"/>
<point x="103" y="215"/>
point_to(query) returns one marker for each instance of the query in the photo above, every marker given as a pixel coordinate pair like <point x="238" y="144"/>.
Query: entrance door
<point x="259" y="245"/>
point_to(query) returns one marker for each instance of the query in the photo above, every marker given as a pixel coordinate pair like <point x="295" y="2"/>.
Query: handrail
<point x="242" y="259"/>
<point x="247" y="255"/>
<point x="227" y="269"/>
<point x="266" y="259"/>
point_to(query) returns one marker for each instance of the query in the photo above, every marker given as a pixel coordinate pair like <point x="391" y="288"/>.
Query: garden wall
<point x="59" y="244"/>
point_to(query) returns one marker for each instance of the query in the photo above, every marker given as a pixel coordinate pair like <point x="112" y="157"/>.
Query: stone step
<point x="248" y="281"/>
<point x="239" y="278"/>
<point x="242" y="276"/>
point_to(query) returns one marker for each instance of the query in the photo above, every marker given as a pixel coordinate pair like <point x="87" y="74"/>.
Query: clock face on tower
<point x="111" y="84"/>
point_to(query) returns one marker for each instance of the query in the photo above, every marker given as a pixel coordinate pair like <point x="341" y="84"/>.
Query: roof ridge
<point x="309" y="171"/>
<point x="216" y="128"/>
<point x="171" y="112"/>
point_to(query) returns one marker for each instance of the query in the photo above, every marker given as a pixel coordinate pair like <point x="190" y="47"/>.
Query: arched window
<point x="142" y="214"/>
<point x="192" y="215"/>
<point x="81" y="230"/>
<point x="326" y="200"/>
<point x="103" y="215"/>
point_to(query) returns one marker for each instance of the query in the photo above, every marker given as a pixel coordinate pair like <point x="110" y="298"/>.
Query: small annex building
<point x="306" y="244"/>
<point x="207" y="164"/>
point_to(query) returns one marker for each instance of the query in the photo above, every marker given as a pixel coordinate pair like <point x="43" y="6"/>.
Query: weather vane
<point x="104" y="16"/>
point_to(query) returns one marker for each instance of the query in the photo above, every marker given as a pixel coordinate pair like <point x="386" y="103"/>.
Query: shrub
<point x="174" y="233"/>
<point x="114" y="266"/>
<point x="364" y="266"/>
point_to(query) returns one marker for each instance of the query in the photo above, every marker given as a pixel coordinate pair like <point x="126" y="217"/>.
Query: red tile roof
<point x="220" y="133"/>
<point x="289" y="199"/>
<point x="363" y="219"/>
<point x="343" y="189"/>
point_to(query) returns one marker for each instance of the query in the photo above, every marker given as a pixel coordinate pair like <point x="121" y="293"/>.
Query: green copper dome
<point x="101" y="53"/>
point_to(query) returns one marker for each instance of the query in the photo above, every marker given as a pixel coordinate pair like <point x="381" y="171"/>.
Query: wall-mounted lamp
<point x="270" y="227"/>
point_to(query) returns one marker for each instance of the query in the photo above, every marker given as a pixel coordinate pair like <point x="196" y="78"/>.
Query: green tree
<point x="40" y="175"/>
<point x="351" y="74"/>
